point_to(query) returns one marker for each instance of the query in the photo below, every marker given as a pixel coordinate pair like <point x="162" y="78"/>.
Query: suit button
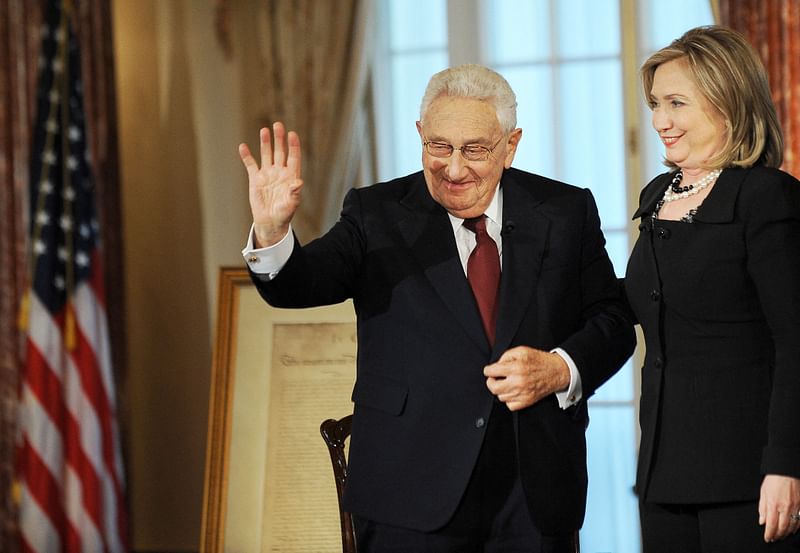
<point x="659" y="363"/>
<point x="480" y="422"/>
<point x="655" y="295"/>
<point x="663" y="233"/>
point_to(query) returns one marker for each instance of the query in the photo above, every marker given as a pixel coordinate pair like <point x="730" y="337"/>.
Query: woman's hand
<point x="275" y="186"/>
<point x="780" y="499"/>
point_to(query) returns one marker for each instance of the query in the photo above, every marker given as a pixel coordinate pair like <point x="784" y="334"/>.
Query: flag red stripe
<point x="42" y="486"/>
<point x="48" y="389"/>
<point x="82" y="465"/>
<point x="45" y="385"/>
<point x="90" y="316"/>
<point x="24" y="546"/>
<point x="41" y="378"/>
<point x="92" y="384"/>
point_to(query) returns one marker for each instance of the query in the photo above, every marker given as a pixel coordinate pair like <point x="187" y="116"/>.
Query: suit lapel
<point x="720" y="204"/>
<point x="651" y="194"/>
<point x="428" y="233"/>
<point x="525" y="238"/>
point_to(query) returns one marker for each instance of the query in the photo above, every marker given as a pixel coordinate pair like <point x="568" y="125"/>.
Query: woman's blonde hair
<point x="729" y="73"/>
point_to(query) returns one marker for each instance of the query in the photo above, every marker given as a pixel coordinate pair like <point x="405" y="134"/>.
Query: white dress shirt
<point x="270" y="260"/>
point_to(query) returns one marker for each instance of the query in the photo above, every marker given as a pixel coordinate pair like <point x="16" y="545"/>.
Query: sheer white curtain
<point x="306" y="63"/>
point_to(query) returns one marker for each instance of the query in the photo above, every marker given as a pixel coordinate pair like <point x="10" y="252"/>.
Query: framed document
<point x="276" y="375"/>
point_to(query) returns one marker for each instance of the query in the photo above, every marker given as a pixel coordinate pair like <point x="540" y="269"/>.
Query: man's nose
<point x="456" y="166"/>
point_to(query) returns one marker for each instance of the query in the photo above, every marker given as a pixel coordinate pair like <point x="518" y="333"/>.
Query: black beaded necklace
<point x="676" y="183"/>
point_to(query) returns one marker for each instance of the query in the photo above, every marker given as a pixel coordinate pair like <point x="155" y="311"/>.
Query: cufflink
<point x="252" y="259"/>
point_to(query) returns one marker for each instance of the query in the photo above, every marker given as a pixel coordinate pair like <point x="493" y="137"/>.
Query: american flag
<point x="69" y="465"/>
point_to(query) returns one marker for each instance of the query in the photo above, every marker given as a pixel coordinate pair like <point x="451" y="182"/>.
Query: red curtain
<point x="19" y="46"/>
<point x="19" y="51"/>
<point x="773" y="27"/>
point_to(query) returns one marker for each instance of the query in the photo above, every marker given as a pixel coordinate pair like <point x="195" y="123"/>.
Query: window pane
<point x="618" y="388"/>
<point x="418" y="24"/>
<point x="617" y="247"/>
<point x="654" y="153"/>
<point x="410" y="75"/>
<point x="592" y="135"/>
<point x="612" y="519"/>
<point x="517" y="31"/>
<point x="666" y="21"/>
<point x="533" y="87"/>
<point x="588" y="28"/>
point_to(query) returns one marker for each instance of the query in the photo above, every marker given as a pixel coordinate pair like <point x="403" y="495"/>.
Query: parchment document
<point x="312" y="375"/>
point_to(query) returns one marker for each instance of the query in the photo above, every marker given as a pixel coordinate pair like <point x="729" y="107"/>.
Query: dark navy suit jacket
<point x="421" y="400"/>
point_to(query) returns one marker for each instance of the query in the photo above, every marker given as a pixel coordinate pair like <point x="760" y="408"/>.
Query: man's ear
<point x="511" y="147"/>
<point x="419" y="130"/>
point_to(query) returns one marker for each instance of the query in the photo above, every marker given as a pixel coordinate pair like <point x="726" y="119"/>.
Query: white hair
<point x="478" y="82"/>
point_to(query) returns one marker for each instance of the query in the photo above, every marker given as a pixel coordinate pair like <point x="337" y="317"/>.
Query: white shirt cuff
<point x="269" y="260"/>
<point x="574" y="391"/>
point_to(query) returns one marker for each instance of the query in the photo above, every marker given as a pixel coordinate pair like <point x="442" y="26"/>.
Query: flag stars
<point x="54" y="96"/>
<point x="69" y="193"/>
<point x="85" y="231"/>
<point x="74" y="133"/>
<point x="63" y="255"/>
<point x="39" y="247"/>
<point x="43" y="218"/>
<point x="59" y="282"/>
<point x="46" y="187"/>
<point x="66" y="223"/>
<point x="49" y="157"/>
<point x="81" y="259"/>
<point x="72" y="163"/>
<point x="51" y="126"/>
<point x="57" y="66"/>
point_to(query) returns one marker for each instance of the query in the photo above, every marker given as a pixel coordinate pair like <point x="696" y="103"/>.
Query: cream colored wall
<point x="185" y="214"/>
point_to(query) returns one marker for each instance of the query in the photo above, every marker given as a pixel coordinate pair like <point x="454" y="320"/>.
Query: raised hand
<point x="275" y="186"/>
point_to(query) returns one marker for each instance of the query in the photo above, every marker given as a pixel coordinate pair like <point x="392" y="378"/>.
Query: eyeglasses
<point x="470" y="152"/>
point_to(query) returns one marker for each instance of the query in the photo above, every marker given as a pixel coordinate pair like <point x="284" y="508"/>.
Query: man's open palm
<point x="274" y="186"/>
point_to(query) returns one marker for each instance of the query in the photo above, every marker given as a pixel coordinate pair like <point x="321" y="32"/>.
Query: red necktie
<point x="483" y="273"/>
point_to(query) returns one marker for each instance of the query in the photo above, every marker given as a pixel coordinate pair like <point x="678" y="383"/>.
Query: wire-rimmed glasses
<point x="470" y="152"/>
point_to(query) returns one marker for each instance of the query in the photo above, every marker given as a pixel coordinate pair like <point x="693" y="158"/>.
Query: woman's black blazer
<point x="719" y="303"/>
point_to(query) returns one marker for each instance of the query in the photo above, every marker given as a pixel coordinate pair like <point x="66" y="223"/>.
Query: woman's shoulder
<point x="769" y="188"/>
<point x="760" y="175"/>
